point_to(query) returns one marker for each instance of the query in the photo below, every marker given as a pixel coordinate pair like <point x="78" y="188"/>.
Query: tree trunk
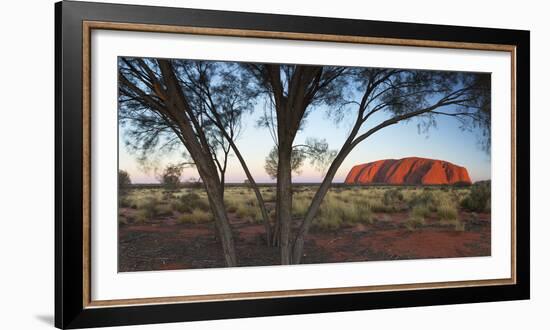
<point x="217" y="206"/>
<point x="284" y="200"/>
<point x="196" y="144"/>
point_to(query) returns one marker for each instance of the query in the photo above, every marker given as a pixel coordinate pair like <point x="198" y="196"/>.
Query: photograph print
<point x="225" y="164"/>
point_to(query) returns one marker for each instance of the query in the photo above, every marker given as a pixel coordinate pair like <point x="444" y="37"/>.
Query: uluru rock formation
<point x="409" y="171"/>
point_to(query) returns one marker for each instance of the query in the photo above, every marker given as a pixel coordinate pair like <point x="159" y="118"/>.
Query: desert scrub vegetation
<point x="243" y="203"/>
<point x="335" y="212"/>
<point x="447" y="210"/>
<point x="188" y="202"/>
<point x="479" y="198"/>
<point x="392" y="196"/>
<point x="417" y="217"/>
<point x="195" y="216"/>
<point x="147" y="209"/>
<point x="343" y="206"/>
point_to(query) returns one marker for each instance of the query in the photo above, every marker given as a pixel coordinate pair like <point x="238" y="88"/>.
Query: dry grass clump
<point x="417" y="217"/>
<point x="335" y="212"/>
<point x="196" y="216"/>
<point x="147" y="209"/>
<point x="392" y="196"/>
<point x="187" y="203"/>
<point x="300" y="205"/>
<point x="447" y="210"/>
<point x="251" y="213"/>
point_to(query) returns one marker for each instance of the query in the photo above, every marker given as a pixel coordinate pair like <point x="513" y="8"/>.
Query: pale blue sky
<point x="446" y="142"/>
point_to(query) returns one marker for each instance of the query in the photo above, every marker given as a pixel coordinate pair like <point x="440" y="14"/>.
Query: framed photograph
<point x="218" y="164"/>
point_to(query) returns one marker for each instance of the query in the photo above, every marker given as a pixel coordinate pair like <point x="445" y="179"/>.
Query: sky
<point x="445" y="142"/>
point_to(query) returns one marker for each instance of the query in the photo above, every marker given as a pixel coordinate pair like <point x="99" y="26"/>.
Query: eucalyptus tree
<point x="161" y="111"/>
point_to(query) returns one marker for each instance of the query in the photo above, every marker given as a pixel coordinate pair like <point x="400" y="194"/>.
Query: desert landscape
<point x="231" y="164"/>
<point x="164" y="229"/>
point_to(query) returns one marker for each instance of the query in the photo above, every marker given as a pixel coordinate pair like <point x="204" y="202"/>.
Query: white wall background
<point x="27" y="156"/>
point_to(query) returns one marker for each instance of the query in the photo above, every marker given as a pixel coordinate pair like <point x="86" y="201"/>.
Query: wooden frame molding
<point x="89" y="26"/>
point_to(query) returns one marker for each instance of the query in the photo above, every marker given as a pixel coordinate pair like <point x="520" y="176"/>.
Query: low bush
<point x="420" y="211"/>
<point x="147" y="209"/>
<point x="334" y="213"/>
<point x="427" y="198"/>
<point x="196" y="216"/>
<point x="447" y="211"/>
<point x="417" y="217"/>
<point x="189" y="202"/>
<point x="479" y="198"/>
<point x="392" y="196"/>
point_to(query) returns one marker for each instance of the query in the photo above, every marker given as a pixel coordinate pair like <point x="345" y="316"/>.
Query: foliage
<point x="189" y="202"/>
<point x="316" y="150"/>
<point x="334" y="213"/>
<point x="123" y="179"/>
<point x="447" y="211"/>
<point x="171" y="175"/>
<point x="392" y="196"/>
<point x="479" y="199"/>
<point x="427" y="198"/>
<point x="272" y="160"/>
<point x="148" y="209"/>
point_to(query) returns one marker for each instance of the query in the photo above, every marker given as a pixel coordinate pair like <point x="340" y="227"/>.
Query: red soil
<point x="165" y="244"/>
<point x="408" y="171"/>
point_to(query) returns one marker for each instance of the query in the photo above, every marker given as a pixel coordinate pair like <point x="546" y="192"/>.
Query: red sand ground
<point x="165" y="244"/>
<point x="408" y="171"/>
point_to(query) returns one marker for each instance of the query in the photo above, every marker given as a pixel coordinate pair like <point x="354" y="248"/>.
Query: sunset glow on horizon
<point x="445" y="142"/>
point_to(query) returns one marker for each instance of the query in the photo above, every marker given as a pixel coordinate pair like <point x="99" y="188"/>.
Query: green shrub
<point x="123" y="179"/>
<point x="187" y="203"/>
<point x="420" y="211"/>
<point x="479" y="199"/>
<point x="147" y="209"/>
<point x="392" y="196"/>
<point x="328" y="218"/>
<point x="427" y="198"/>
